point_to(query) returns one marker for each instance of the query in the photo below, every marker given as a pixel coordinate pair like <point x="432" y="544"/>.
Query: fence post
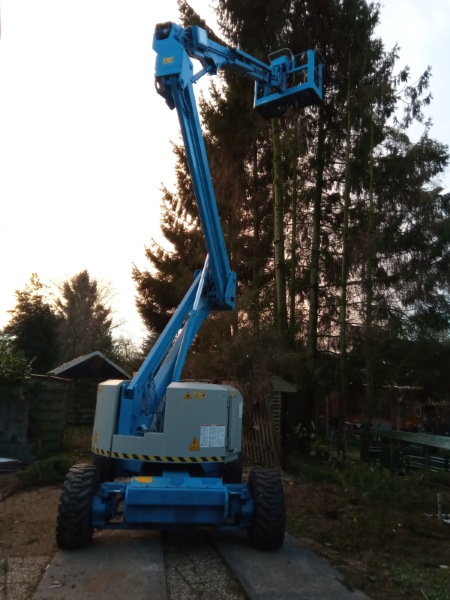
<point x="392" y="453"/>
<point x="439" y="504"/>
<point x="427" y="457"/>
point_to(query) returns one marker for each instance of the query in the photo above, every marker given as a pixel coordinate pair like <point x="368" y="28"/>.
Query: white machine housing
<point x="202" y="423"/>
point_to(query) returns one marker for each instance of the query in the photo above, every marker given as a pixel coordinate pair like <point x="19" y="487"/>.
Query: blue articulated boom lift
<point x="167" y="452"/>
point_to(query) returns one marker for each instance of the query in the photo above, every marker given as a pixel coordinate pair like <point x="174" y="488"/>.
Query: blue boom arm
<point x="286" y="82"/>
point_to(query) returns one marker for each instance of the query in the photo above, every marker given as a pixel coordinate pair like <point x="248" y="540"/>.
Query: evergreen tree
<point x="365" y="231"/>
<point x="161" y="288"/>
<point x="395" y="217"/>
<point x="34" y="326"/>
<point x="245" y="218"/>
<point x="85" y="319"/>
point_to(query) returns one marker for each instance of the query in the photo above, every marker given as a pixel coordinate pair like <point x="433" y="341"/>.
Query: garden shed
<point x="86" y="372"/>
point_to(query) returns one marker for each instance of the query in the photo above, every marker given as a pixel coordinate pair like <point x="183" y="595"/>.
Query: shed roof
<point x="281" y="385"/>
<point x="94" y="366"/>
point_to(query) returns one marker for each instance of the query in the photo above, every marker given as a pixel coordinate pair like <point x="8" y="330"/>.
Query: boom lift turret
<point x="166" y="451"/>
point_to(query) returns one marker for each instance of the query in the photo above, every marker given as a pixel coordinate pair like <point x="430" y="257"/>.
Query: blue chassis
<point x="173" y="499"/>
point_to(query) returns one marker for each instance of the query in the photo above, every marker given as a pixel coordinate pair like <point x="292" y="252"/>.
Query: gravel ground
<point x="194" y="569"/>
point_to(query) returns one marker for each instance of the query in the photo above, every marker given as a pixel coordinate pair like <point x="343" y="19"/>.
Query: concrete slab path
<point x="291" y="572"/>
<point x="117" y="564"/>
<point x="130" y="565"/>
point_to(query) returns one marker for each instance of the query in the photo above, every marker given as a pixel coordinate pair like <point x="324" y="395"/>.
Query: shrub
<point x="14" y="367"/>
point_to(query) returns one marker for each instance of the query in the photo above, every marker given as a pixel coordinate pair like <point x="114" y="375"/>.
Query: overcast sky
<point x="85" y="139"/>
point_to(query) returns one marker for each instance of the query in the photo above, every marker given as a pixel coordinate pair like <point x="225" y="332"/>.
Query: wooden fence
<point x="49" y="401"/>
<point x="401" y="450"/>
<point x="259" y="441"/>
<point x="14" y="422"/>
<point x="82" y="406"/>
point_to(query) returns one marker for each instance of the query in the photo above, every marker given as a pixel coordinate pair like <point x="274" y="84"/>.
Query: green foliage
<point x="411" y="581"/>
<point x="85" y="318"/>
<point x="378" y="528"/>
<point x="366" y="483"/>
<point x="34" y="325"/>
<point x="14" y="366"/>
<point x="311" y="470"/>
<point x="46" y="471"/>
<point x="366" y="227"/>
<point x="162" y="287"/>
<point x="50" y="331"/>
<point x="77" y="441"/>
<point x="311" y="441"/>
<point x="369" y="483"/>
<point x="52" y="470"/>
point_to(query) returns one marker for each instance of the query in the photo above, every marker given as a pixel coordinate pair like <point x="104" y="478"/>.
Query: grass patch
<point x="77" y="439"/>
<point x="379" y="529"/>
<point x="51" y="470"/>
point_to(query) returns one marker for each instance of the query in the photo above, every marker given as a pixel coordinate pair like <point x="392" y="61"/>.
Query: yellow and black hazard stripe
<point x="163" y="459"/>
<point x="100" y="451"/>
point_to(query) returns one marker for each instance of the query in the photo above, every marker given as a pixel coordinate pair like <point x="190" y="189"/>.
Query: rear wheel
<point x="269" y="518"/>
<point x="73" y="524"/>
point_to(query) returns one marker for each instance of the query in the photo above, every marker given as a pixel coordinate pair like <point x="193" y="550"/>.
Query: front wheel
<point x="269" y="517"/>
<point x="73" y="524"/>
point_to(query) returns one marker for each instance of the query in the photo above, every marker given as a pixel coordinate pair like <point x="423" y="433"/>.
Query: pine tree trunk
<point x="368" y="293"/>
<point x="310" y="399"/>
<point x="293" y="269"/>
<point x="344" y="277"/>
<point x="278" y="241"/>
<point x="256" y="280"/>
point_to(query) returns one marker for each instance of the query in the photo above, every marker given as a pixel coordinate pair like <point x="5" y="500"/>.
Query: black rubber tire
<point x="105" y="465"/>
<point x="73" y="524"/>
<point x="269" y="517"/>
<point x="232" y="471"/>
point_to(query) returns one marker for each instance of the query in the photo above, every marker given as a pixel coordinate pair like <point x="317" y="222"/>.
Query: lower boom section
<point x="174" y="499"/>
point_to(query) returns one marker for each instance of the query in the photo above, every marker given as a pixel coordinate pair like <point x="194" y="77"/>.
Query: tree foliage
<point x="34" y="325"/>
<point x="85" y="319"/>
<point x="14" y="366"/>
<point x="50" y="327"/>
<point x="365" y="224"/>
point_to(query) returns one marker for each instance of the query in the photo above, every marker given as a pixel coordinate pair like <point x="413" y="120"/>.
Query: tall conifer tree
<point x="364" y="229"/>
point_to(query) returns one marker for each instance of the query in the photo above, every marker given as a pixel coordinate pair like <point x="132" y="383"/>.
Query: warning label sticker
<point x="212" y="436"/>
<point x="194" y="445"/>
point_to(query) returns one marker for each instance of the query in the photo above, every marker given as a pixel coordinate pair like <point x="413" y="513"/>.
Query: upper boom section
<point x="288" y="81"/>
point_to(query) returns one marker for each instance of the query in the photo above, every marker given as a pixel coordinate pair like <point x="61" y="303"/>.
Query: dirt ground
<point x="27" y="538"/>
<point x="27" y="523"/>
